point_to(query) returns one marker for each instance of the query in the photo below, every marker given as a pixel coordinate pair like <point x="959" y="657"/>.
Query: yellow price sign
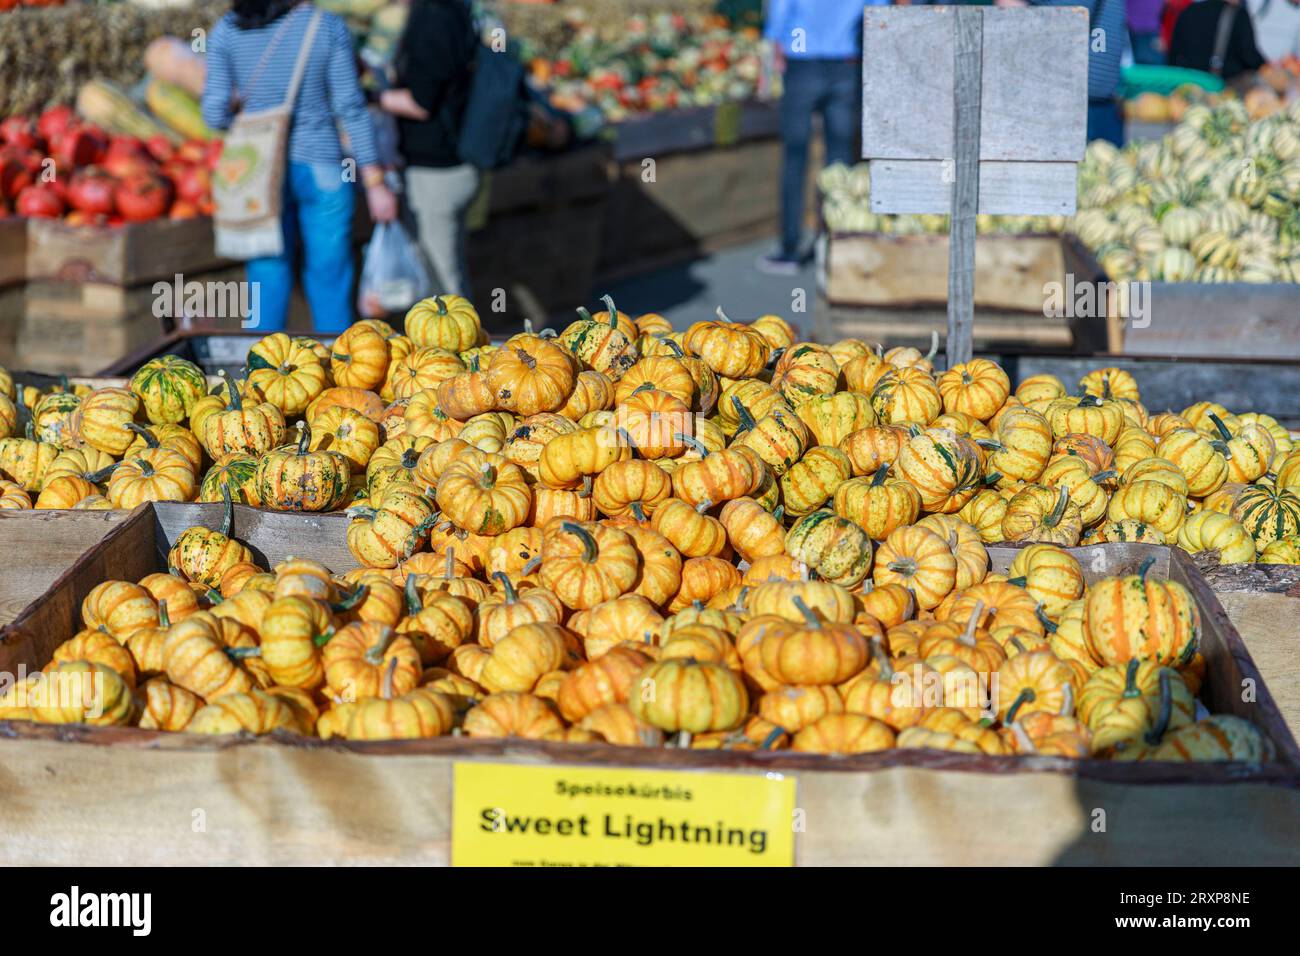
<point x="513" y="815"/>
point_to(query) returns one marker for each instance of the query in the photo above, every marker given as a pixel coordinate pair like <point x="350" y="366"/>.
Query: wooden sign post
<point x="969" y="110"/>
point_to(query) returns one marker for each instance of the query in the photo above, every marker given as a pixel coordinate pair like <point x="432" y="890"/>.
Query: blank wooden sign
<point x="1033" y="108"/>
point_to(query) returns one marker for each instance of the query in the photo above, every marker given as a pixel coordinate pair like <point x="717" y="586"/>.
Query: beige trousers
<point x="438" y="200"/>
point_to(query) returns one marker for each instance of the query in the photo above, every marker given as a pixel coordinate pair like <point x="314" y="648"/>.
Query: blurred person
<point x="818" y="47"/>
<point x="1105" y="112"/>
<point x="1144" y="31"/>
<point x="434" y="66"/>
<point x="251" y="55"/>
<point x="1216" y="36"/>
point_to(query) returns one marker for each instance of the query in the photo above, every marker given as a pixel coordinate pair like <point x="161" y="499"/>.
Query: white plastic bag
<point x="393" y="277"/>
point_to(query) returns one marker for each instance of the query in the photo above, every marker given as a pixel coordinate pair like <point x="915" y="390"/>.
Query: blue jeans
<point x="832" y="88"/>
<point x="1105" y="121"/>
<point x="318" y="206"/>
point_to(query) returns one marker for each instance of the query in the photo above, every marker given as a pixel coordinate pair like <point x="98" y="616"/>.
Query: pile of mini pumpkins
<point x="718" y="538"/>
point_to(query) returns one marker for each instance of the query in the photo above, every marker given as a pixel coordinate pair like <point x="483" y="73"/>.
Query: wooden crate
<point x="126" y="255"/>
<point x="99" y="795"/>
<point x="1227" y="320"/>
<point x="79" y="327"/>
<point x="13" y="251"/>
<point x="50" y="542"/>
<point x="894" y="289"/>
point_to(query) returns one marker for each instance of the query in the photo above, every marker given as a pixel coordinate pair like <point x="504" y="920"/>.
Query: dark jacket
<point x="1192" y="44"/>
<point x="435" y="62"/>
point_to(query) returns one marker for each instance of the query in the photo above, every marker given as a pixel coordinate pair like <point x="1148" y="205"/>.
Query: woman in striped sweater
<point x="319" y="181"/>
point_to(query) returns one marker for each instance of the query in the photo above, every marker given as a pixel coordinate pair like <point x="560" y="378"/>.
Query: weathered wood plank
<point x="127" y="255"/>
<point x="871" y="269"/>
<point x="908" y="83"/>
<point x="1231" y="320"/>
<point x="39" y="546"/>
<point x="1266" y="623"/>
<point x="1006" y="188"/>
<point x="965" y="188"/>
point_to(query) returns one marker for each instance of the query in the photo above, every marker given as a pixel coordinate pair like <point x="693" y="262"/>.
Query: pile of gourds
<point x="721" y="538"/>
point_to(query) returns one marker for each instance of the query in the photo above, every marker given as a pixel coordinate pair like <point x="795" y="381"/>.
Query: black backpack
<point x="496" y="110"/>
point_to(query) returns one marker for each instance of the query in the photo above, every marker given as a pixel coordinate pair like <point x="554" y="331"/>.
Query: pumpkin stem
<point x="703" y="506"/>
<point x="164" y="619"/>
<point x="473" y="363"/>
<point x="1144" y="567"/>
<point x="810" y="618"/>
<point x="1222" y="429"/>
<point x="684" y="739"/>
<point x="235" y="401"/>
<point x="779" y="512"/>
<point x="450" y="571"/>
<point x="913" y="430"/>
<point x="773" y="736"/>
<point x="879" y="477"/>
<point x="410" y="458"/>
<point x="375" y="654"/>
<point x="1106" y="475"/>
<point x="228" y="515"/>
<point x="672" y="345"/>
<point x="214" y="596"/>
<point x="589" y="550"/>
<point x="934" y="345"/>
<point x="1019" y="580"/>
<point x="588" y="483"/>
<point x="304" y="436"/>
<point x="613" y="312"/>
<point x="643" y="387"/>
<point x="1057" y="512"/>
<point x="386" y="688"/>
<point x="1024" y="697"/>
<point x="747" y="422"/>
<point x="584" y="315"/>
<point x="146" y="469"/>
<point x="488" y="475"/>
<point x="638" y="511"/>
<point x="150" y="439"/>
<point x="512" y="596"/>
<point x="723" y="316"/>
<point x="968" y="637"/>
<point x="442" y="306"/>
<point x="882" y="659"/>
<point x="1154" y="736"/>
<point x="531" y="565"/>
<point x="993" y="478"/>
<point x="95" y="477"/>
<point x="1048" y="624"/>
<point x="320" y="640"/>
<point x="242" y="653"/>
<point x="1130" y="679"/>
<point x="693" y="443"/>
<point x="904" y="566"/>
<point x="351" y="598"/>
<point x="992" y="444"/>
<point x="1022" y="738"/>
<point x="418" y="533"/>
<point x="1067" y="700"/>
<point x="529" y="362"/>
<point x="413" y="603"/>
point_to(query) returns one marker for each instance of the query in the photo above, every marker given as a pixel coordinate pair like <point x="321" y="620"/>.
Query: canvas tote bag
<point x="248" y="183"/>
